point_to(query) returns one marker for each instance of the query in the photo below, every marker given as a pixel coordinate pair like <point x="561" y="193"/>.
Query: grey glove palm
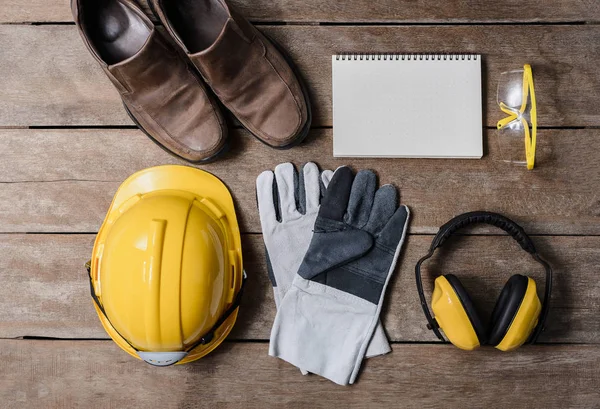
<point x="327" y="318"/>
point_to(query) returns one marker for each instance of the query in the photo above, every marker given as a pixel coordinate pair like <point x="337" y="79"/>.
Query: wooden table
<point x="67" y="144"/>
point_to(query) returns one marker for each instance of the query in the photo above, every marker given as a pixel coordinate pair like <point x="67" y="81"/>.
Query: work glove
<point x="328" y="316"/>
<point x="288" y="205"/>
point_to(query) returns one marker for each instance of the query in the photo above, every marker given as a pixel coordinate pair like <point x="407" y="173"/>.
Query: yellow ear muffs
<point x="515" y="315"/>
<point x="456" y="314"/>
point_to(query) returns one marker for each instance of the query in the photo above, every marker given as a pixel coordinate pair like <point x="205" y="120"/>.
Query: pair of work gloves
<point x="332" y="242"/>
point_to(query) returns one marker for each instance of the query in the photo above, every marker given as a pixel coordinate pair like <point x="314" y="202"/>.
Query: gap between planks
<point x="266" y="341"/>
<point x="357" y="23"/>
<point x="259" y="233"/>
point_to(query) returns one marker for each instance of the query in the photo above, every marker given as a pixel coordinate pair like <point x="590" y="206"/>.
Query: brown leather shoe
<point x="244" y="69"/>
<point x="161" y="92"/>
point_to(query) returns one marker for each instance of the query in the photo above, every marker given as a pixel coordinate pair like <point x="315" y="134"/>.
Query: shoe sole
<point x="210" y="159"/>
<point x="305" y="130"/>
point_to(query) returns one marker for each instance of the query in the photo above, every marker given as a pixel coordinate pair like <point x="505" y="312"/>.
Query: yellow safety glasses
<point x="516" y="98"/>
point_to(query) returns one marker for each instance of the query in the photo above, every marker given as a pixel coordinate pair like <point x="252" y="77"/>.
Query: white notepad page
<point x="416" y="106"/>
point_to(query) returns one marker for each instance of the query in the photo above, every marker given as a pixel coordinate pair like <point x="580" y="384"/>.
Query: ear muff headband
<point x="510" y="227"/>
<point x="494" y="219"/>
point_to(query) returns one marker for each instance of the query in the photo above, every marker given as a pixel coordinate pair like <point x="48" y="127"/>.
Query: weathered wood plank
<point x="66" y="87"/>
<point x="45" y="291"/>
<point x="64" y="180"/>
<point x="426" y="11"/>
<point x="97" y="374"/>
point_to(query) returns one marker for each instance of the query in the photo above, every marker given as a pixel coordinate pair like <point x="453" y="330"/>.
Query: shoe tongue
<point x="230" y="49"/>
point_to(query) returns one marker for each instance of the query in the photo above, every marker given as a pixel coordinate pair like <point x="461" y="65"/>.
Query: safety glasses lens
<point x="515" y="128"/>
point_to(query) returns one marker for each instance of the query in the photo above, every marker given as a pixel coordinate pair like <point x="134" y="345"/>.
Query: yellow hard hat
<point x="166" y="271"/>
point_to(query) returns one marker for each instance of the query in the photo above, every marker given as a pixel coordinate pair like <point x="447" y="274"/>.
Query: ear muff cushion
<point x="468" y="305"/>
<point x="506" y="307"/>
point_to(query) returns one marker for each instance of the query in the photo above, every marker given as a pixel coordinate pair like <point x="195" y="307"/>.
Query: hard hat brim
<point x="194" y="354"/>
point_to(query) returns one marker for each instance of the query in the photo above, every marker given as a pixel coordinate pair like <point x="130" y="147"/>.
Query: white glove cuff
<point x="323" y="330"/>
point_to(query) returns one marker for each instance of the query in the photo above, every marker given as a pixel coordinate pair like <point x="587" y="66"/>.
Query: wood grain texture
<point x="64" y="180"/>
<point x="65" y="86"/>
<point x="45" y="290"/>
<point x="239" y="375"/>
<point x="354" y="11"/>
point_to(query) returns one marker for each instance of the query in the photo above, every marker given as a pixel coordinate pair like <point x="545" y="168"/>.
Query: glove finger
<point x="266" y="199"/>
<point x="287" y="181"/>
<point x="310" y="188"/>
<point x="326" y="176"/>
<point x="384" y="206"/>
<point x="335" y="199"/>
<point x="394" y="231"/>
<point x="361" y="198"/>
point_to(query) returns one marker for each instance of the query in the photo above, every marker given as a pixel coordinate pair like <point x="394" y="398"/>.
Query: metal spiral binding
<point x="406" y="57"/>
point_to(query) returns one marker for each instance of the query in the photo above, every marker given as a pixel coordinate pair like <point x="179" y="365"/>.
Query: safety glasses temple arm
<point x="533" y="115"/>
<point x="529" y="144"/>
<point x="503" y="122"/>
<point x="432" y="323"/>
<point x="528" y="78"/>
<point x="512" y="115"/>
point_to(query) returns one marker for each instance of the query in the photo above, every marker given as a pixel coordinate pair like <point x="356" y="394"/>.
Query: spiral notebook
<point x="415" y="106"/>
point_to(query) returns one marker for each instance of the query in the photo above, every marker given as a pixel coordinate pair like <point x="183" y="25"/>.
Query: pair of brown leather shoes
<point x="165" y="89"/>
